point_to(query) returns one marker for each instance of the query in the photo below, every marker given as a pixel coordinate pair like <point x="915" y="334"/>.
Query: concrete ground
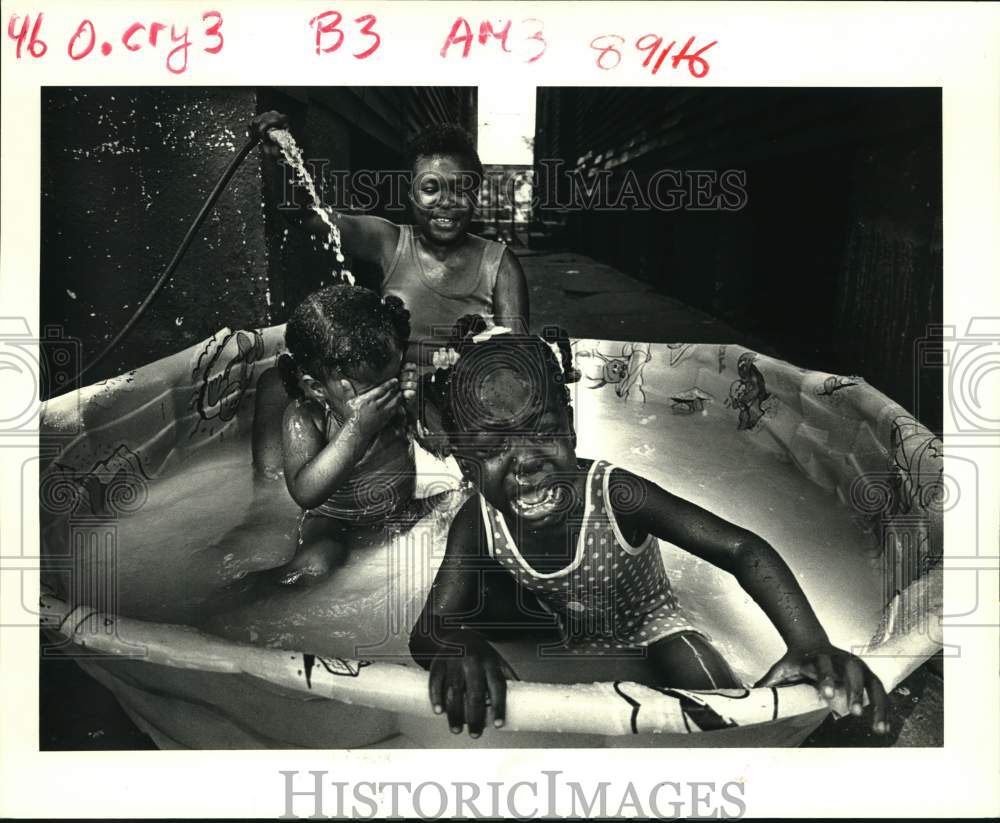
<point x="588" y="299"/>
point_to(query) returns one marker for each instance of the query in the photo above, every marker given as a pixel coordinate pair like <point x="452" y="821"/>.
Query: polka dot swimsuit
<point x="612" y="595"/>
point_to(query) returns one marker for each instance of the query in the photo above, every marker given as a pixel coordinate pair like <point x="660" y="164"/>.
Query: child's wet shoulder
<point x="301" y="412"/>
<point x="626" y="491"/>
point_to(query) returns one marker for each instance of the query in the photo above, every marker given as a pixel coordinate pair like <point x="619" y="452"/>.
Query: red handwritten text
<point x="173" y="38"/>
<point x="610" y="52"/>
<point x="461" y="34"/>
<point x="36" y="46"/>
<point x="329" y="36"/>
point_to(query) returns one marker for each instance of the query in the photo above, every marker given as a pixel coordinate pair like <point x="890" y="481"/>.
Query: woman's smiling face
<point x="522" y="456"/>
<point x="444" y="194"/>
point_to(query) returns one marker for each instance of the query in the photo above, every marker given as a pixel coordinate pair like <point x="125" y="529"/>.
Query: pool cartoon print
<point x="748" y="394"/>
<point x="696" y="708"/>
<point x="112" y="485"/>
<point x="339" y="666"/>
<point x="623" y="371"/>
<point x="835" y="383"/>
<point x="223" y="373"/>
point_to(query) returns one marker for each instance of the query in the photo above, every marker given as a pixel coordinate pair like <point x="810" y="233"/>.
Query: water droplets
<point x="293" y="156"/>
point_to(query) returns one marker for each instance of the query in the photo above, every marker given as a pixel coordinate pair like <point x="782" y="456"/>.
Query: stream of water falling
<point x="293" y="156"/>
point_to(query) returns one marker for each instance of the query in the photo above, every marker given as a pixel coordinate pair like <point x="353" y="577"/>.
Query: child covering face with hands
<point x="347" y="458"/>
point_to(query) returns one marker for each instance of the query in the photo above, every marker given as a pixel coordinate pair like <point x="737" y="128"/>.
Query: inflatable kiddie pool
<point x="154" y="531"/>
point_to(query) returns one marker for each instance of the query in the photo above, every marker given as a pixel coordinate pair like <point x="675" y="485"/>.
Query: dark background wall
<point x="835" y="260"/>
<point x="125" y="170"/>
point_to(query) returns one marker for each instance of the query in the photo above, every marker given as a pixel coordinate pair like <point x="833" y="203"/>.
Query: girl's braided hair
<point x="451" y="390"/>
<point x="344" y="328"/>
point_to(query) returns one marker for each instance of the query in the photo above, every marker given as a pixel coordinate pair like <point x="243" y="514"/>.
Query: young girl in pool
<point x="347" y="459"/>
<point x="580" y="537"/>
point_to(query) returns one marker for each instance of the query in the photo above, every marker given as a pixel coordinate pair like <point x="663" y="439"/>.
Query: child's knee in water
<point x="318" y="556"/>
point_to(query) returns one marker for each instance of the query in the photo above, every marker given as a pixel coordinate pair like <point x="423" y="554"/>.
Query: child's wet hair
<point x="342" y="328"/>
<point x="446" y="138"/>
<point x="454" y="389"/>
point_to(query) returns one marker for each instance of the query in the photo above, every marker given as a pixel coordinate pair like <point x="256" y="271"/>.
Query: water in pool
<point x="198" y="551"/>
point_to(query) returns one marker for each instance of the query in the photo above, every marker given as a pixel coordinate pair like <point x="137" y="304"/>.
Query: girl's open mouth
<point x="538" y="502"/>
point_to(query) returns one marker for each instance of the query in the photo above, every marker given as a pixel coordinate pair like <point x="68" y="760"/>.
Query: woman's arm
<point x="510" y="295"/>
<point x="364" y="237"/>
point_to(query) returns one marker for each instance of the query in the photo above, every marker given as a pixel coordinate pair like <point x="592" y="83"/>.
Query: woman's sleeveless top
<point x="434" y="307"/>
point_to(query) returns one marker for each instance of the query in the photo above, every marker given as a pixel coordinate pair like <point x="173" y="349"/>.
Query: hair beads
<point x="458" y="390"/>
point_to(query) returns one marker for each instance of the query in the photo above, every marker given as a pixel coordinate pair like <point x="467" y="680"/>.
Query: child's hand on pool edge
<point x="462" y="683"/>
<point x="836" y="674"/>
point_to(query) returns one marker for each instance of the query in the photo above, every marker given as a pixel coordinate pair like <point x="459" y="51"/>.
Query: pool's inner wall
<point x="842" y="434"/>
